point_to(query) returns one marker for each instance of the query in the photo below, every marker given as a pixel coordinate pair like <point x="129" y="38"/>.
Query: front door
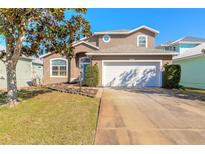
<point x="83" y="62"/>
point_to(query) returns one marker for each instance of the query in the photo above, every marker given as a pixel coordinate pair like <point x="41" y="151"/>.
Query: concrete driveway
<point x="150" y="116"/>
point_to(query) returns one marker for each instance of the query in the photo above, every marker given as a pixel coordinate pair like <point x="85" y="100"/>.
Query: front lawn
<point x="48" y="117"/>
<point x="199" y="91"/>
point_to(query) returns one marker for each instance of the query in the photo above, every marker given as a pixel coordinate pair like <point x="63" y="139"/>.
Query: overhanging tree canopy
<point x="31" y="31"/>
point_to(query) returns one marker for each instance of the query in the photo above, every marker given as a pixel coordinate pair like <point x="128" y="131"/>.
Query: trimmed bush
<point x="172" y="76"/>
<point x="92" y="76"/>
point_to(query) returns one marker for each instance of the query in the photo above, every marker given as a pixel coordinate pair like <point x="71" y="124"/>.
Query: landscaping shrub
<point x="172" y="76"/>
<point x="92" y="75"/>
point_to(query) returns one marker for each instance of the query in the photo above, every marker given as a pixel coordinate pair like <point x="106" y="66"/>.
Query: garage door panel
<point x="131" y="74"/>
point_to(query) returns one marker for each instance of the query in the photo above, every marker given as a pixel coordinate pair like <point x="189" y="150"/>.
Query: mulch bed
<point x="73" y="89"/>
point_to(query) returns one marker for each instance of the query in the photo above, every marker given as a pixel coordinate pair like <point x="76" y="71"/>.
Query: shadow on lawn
<point x="25" y="94"/>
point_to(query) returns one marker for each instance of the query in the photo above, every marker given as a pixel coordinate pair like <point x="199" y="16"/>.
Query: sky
<point x="172" y="23"/>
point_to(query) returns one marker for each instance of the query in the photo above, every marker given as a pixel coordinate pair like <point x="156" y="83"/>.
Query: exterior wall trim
<point x="188" y="57"/>
<point x="51" y="76"/>
<point x="81" y="42"/>
<point x="159" y="61"/>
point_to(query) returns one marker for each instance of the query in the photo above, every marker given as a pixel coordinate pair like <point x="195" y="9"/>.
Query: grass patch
<point x="45" y="117"/>
<point x="199" y="91"/>
<point x="25" y="94"/>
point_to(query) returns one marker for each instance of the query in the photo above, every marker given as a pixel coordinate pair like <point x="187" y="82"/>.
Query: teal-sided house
<point x="182" y="45"/>
<point x="27" y="69"/>
<point x="192" y="64"/>
<point x="23" y="73"/>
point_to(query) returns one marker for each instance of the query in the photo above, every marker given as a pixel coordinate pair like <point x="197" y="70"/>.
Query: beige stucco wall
<point x="95" y="60"/>
<point x="47" y="79"/>
<point x="130" y="39"/>
<point x="79" y="51"/>
<point x="98" y="60"/>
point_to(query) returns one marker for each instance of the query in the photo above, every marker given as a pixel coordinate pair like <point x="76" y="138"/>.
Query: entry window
<point x="142" y="41"/>
<point x="85" y="60"/>
<point x="59" y="68"/>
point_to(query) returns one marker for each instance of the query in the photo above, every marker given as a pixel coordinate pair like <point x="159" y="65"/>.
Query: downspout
<point x="69" y="68"/>
<point x="91" y="66"/>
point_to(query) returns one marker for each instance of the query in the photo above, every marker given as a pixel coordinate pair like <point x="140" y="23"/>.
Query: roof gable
<point x="74" y="45"/>
<point x="186" y="39"/>
<point x="128" y="31"/>
<point x="86" y="43"/>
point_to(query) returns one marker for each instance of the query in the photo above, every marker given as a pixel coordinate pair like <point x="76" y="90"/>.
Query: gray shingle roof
<point x="131" y="49"/>
<point x="167" y="43"/>
<point x="185" y="39"/>
<point x="119" y="30"/>
<point x="193" y="39"/>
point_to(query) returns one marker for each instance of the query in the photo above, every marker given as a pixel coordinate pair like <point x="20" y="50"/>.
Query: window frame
<point x="146" y="39"/>
<point x="51" y="68"/>
<point x="85" y="57"/>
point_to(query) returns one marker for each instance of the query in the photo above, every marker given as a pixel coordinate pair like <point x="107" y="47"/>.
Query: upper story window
<point x="142" y="41"/>
<point x="106" y="38"/>
<point x="59" y="67"/>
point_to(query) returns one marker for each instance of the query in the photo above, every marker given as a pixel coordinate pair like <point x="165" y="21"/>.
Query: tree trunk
<point x="12" y="58"/>
<point x="11" y="84"/>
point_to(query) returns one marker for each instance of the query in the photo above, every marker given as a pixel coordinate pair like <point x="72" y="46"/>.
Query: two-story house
<point x="126" y="58"/>
<point x="181" y="45"/>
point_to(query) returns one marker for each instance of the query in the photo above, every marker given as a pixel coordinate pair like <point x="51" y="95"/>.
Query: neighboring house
<point x="192" y="64"/>
<point x="182" y="44"/>
<point x="25" y="72"/>
<point x="37" y="71"/>
<point x="126" y="58"/>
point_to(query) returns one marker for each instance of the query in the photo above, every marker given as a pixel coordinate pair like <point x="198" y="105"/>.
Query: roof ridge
<point x="128" y="32"/>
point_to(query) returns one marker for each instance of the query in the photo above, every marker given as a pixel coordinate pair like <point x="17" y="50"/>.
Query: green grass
<point x="200" y="91"/>
<point x="46" y="117"/>
<point x="195" y="91"/>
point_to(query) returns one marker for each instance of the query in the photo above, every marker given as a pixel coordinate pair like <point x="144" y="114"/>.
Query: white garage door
<point x="131" y="74"/>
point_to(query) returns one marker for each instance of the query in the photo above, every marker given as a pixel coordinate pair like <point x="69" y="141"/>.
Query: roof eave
<point x="187" y="57"/>
<point x="45" y="55"/>
<point x="112" y="54"/>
